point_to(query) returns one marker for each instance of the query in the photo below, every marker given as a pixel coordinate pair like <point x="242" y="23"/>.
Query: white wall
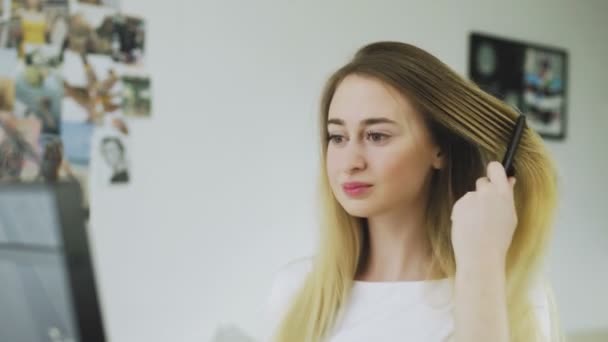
<point x="224" y="173"/>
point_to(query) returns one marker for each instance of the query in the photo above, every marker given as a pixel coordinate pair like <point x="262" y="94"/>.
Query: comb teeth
<point x="513" y="144"/>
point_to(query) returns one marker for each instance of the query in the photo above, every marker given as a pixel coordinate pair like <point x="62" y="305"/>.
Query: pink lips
<point x="356" y="188"/>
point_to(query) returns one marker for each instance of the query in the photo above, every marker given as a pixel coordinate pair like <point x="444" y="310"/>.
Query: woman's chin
<point x="359" y="208"/>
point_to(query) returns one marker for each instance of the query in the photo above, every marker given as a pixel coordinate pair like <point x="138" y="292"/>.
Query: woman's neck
<point x="398" y="248"/>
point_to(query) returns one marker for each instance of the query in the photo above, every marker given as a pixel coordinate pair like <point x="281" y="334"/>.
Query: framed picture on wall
<point x="530" y="77"/>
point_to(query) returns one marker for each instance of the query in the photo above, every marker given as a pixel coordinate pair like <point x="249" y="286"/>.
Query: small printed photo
<point x="91" y="30"/>
<point x="113" y="151"/>
<point x="19" y="151"/>
<point x="53" y="165"/>
<point x="130" y="33"/>
<point x="114" y="158"/>
<point x="39" y="92"/>
<point x="543" y="99"/>
<point x="91" y="87"/>
<point x="91" y="96"/>
<point x="26" y="152"/>
<point x="110" y="163"/>
<point x="104" y="31"/>
<point x="40" y="22"/>
<point x="136" y="96"/>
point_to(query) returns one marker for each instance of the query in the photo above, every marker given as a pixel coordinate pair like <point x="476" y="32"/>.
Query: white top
<point x="383" y="311"/>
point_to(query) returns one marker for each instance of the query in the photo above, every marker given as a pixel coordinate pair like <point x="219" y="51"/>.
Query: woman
<point x="423" y="236"/>
<point x="34" y="26"/>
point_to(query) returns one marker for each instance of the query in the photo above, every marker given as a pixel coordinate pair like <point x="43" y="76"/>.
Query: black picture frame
<point x="531" y="77"/>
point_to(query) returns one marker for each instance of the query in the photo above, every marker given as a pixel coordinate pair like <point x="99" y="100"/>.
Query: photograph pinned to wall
<point x="136" y="95"/>
<point x="58" y="15"/>
<point x="19" y="151"/>
<point x="130" y="33"/>
<point x="102" y="30"/>
<point x="113" y="150"/>
<point x="40" y="22"/>
<point x="529" y="77"/>
<point x="26" y="152"/>
<point x="91" y="84"/>
<point x="39" y="89"/>
<point x="91" y="29"/>
<point x="90" y="96"/>
<point x="38" y="83"/>
<point x="19" y="154"/>
<point x="544" y="97"/>
<point x="54" y="165"/>
<point x="111" y="153"/>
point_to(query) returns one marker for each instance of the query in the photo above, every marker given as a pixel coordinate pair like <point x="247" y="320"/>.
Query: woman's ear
<point x="438" y="159"/>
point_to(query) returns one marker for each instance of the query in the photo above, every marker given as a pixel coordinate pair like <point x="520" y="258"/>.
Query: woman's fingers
<point x="481" y="183"/>
<point x="498" y="176"/>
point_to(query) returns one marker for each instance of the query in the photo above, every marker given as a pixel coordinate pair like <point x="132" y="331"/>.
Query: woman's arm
<point x="483" y="223"/>
<point x="480" y="303"/>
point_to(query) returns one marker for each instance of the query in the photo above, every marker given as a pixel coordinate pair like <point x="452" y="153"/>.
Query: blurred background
<point x="222" y="169"/>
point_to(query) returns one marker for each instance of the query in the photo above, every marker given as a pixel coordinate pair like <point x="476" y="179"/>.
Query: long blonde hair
<point x="472" y="128"/>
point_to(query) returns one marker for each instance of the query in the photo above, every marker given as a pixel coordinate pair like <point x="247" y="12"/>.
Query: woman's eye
<point x="377" y="137"/>
<point x="335" y="138"/>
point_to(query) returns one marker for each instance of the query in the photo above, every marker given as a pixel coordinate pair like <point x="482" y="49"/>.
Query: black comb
<point x="507" y="162"/>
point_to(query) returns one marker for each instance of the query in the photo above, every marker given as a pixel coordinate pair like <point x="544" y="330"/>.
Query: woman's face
<point x="377" y="138"/>
<point x="112" y="153"/>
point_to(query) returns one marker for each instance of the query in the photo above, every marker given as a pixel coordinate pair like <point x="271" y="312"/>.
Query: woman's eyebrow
<point x="366" y="122"/>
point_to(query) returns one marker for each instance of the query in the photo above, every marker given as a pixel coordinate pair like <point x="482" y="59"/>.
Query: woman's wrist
<point x="490" y="266"/>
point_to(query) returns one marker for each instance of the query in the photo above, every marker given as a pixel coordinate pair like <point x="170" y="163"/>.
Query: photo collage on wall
<point x="529" y="77"/>
<point x="72" y="76"/>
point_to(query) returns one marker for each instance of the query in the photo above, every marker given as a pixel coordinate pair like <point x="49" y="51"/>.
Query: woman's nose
<point x="354" y="159"/>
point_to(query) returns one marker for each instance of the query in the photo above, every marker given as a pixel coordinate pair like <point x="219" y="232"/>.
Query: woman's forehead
<point x="358" y="98"/>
